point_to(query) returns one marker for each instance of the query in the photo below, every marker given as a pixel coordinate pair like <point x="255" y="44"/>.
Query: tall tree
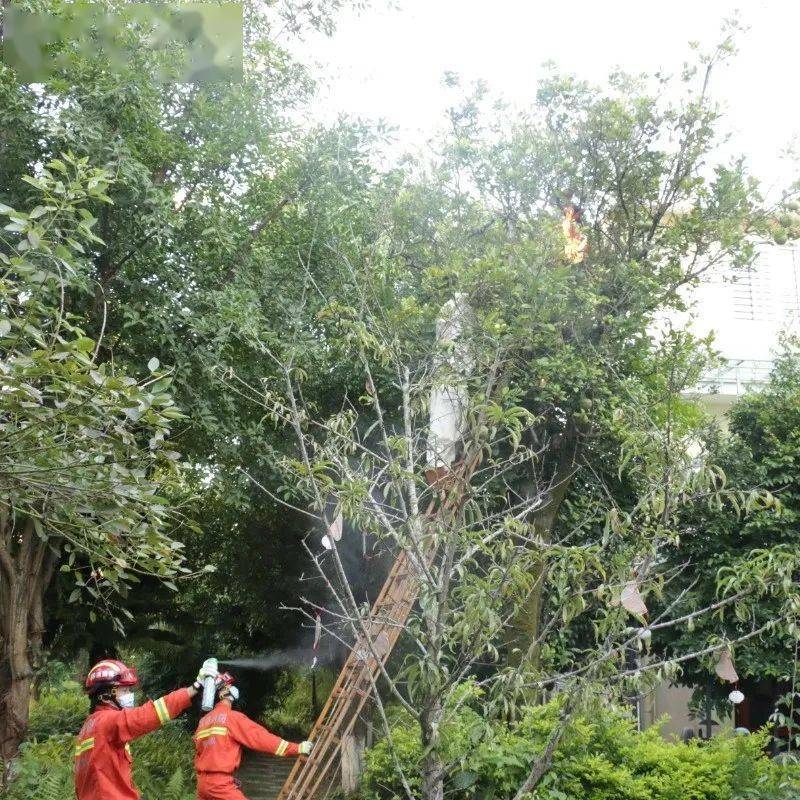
<point x="84" y="458"/>
<point x="224" y="198"/>
<point x="576" y="372"/>
<point x="657" y="213"/>
<point x="467" y="548"/>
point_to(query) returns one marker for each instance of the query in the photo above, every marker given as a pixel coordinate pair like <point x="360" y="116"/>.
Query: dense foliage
<point x="220" y="195"/>
<point x="207" y="248"/>
<point x="574" y="472"/>
<point x="602" y="757"/>
<point x="162" y="767"/>
<point x="290" y="710"/>
<point x="758" y="449"/>
<point x="85" y="464"/>
<point x="58" y="711"/>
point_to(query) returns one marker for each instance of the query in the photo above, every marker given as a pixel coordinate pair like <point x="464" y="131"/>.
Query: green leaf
<point x="84" y="344"/>
<point x="465" y="779"/>
<point x="153" y="364"/>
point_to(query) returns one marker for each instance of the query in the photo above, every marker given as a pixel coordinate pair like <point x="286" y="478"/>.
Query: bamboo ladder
<point x="313" y="777"/>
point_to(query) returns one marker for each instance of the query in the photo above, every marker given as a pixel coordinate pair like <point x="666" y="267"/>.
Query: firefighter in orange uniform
<point x="219" y="739"/>
<point x="103" y="762"/>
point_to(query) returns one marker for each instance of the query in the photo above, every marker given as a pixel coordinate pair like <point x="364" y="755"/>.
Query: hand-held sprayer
<point x="210" y="670"/>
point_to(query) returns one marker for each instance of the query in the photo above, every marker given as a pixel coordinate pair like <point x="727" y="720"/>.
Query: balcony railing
<point x="737" y="377"/>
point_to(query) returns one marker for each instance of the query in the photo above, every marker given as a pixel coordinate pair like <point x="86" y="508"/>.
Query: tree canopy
<point x="219" y="319"/>
<point x="85" y="460"/>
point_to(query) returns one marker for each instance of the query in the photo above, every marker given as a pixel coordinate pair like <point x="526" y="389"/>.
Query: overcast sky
<point x="388" y="62"/>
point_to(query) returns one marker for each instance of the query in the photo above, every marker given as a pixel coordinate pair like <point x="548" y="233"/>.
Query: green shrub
<point x="163" y="761"/>
<point x="781" y="783"/>
<point x="159" y="757"/>
<point x="58" y="711"/>
<point x="44" y="770"/>
<point x="600" y="758"/>
<point x="290" y="713"/>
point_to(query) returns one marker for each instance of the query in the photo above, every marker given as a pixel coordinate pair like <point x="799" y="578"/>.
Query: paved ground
<point x="262" y="776"/>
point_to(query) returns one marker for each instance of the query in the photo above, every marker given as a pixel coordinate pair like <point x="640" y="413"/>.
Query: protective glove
<point x="305" y="748"/>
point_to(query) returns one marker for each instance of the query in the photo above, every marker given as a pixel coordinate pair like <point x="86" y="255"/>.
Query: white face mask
<point x="127" y="700"/>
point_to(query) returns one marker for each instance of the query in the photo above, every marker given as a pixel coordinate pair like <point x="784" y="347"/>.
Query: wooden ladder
<point x="312" y="777"/>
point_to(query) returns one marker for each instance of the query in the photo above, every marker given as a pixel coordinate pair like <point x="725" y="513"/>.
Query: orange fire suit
<point x="103" y="762"/>
<point x="219" y="739"/>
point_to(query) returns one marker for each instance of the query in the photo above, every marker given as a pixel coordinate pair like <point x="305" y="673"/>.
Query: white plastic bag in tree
<point x="334" y="532"/>
<point x="447" y="413"/>
<point x="448" y="402"/>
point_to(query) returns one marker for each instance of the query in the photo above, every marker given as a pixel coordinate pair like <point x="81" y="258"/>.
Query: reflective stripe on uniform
<point x="82" y="747"/>
<point x="161" y="710"/>
<point x="206" y="732"/>
<point x="281" y="749"/>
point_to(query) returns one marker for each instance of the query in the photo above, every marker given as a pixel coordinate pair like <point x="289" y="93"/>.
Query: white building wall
<point x="747" y="311"/>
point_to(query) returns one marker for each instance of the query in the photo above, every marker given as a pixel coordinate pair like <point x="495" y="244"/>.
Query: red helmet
<point x="224" y="682"/>
<point x="224" y="678"/>
<point x="109" y="673"/>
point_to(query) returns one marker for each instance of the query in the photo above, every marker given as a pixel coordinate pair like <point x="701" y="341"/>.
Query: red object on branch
<point x="576" y="246"/>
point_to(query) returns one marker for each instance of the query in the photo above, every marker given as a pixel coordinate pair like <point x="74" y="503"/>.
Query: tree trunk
<point x="15" y="682"/>
<point x="525" y="627"/>
<point x="354" y="746"/>
<point x="432" y="765"/>
<point x="526" y="624"/>
<point x="432" y="776"/>
<point x="24" y="581"/>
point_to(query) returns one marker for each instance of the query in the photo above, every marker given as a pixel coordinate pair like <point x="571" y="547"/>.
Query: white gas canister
<point x="209" y="685"/>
